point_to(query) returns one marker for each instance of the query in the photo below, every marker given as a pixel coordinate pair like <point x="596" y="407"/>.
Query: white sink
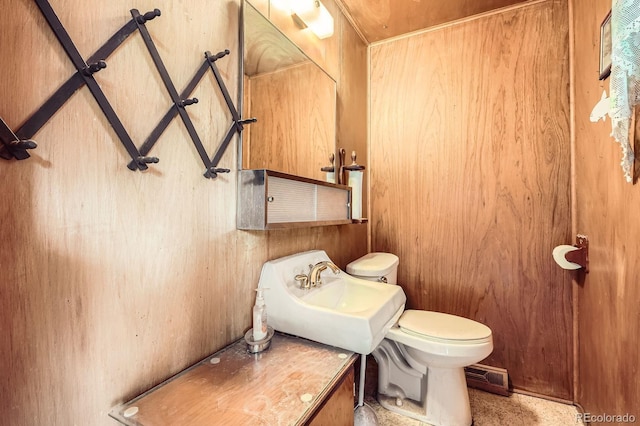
<point x="345" y="311"/>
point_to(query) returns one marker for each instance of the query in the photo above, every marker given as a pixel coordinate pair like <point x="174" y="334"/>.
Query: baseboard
<point x="487" y="378"/>
<point x="541" y="396"/>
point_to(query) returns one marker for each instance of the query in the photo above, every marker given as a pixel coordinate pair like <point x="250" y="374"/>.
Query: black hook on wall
<point x="187" y="102"/>
<point x="94" y="67"/>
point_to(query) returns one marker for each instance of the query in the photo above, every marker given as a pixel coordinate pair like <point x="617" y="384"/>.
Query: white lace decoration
<point x="625" y="75"/>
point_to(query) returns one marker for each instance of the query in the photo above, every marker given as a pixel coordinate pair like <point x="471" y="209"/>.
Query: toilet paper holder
<point x="581" y="255"/>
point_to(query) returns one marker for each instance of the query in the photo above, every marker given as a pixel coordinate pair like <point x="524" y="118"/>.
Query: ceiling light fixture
<point x="314" y="15"/>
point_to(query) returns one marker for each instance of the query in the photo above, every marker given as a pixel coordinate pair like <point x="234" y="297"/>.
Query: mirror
<point x="293" y="99"/>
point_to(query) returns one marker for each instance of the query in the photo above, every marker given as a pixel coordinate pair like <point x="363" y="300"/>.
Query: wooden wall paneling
<point x="114" y="280"/>
<point x="608" y="297"/>
<point x="110" y="293"/>
<point x="469" y="173"/>
<point x="26" y="97"/>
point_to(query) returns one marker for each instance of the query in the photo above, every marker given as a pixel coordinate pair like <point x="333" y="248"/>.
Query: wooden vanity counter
<point x="294" y="382"/>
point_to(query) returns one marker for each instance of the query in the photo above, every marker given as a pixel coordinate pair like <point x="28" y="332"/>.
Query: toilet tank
<point x="380" y="267"/>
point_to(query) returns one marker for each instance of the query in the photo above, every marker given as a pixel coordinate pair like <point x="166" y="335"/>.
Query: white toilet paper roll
<point x="559" y="254"/>
<point x="355" y="182"/>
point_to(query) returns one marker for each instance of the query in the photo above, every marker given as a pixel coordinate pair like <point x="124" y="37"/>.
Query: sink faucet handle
<point x="303" y="280"/>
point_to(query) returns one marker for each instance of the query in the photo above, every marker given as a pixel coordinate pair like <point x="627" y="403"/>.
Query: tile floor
<point x="494" y="410"/>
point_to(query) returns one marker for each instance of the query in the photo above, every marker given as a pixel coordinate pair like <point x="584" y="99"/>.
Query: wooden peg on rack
<point x="94" y="67"/>
<point x="213" y="172"/>
<point x="147" y="160"/>
<point x="186" y="102"/>
<point x="219" y="55"/>
<point x="240" y="123"/>
<point x="141" y="19"/>
<point x="11" y="146"/>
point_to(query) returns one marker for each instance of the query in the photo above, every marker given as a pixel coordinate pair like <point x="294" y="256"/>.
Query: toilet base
<point x="446" y="402"/>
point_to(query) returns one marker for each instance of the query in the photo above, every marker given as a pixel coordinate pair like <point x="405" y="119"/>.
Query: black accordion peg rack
<point x="15" y="144"/>
<point x="85" y="70"/>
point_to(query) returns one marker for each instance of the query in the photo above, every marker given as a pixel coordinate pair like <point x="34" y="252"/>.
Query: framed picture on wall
<point x="605" y="47"/>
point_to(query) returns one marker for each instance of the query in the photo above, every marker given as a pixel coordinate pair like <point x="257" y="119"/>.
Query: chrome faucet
<point x="314" y="279"/>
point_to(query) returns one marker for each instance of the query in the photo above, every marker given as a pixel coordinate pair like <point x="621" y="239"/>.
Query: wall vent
<point x="487" y="378"/>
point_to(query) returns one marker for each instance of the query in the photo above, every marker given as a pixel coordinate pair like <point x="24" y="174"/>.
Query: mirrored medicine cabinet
<point x="294" y="102"/>
<point x="292" y="97"/>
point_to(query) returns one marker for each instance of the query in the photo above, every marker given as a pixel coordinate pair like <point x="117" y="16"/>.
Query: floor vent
<point x="487" y="378"/>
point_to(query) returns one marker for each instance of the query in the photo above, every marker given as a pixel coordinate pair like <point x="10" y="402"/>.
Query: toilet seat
<point x="443" y="327"/>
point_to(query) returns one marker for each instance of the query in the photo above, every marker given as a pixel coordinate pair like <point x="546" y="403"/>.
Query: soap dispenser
<point x="259" y="317"/>
<point x="259" y="337"/>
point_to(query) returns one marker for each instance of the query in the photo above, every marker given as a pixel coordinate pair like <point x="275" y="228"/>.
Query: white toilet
<point x="422" y="358"/>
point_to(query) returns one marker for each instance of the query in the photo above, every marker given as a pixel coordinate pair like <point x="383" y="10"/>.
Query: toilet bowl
<point x="422" y="357"/>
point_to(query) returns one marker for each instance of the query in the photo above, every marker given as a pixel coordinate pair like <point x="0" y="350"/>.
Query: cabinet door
<point x="290" y="201"/>
<point x="332" y="204"/>
<point x="338" y="407"/>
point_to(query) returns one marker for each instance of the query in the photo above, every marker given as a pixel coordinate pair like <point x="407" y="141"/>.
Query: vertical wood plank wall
<point x="470" y="180"/>
<point x="112" y="280"/>
<point x="608" y="298"/>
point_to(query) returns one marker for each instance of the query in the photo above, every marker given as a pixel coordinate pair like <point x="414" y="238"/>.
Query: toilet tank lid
<point x="373" y="265"/>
